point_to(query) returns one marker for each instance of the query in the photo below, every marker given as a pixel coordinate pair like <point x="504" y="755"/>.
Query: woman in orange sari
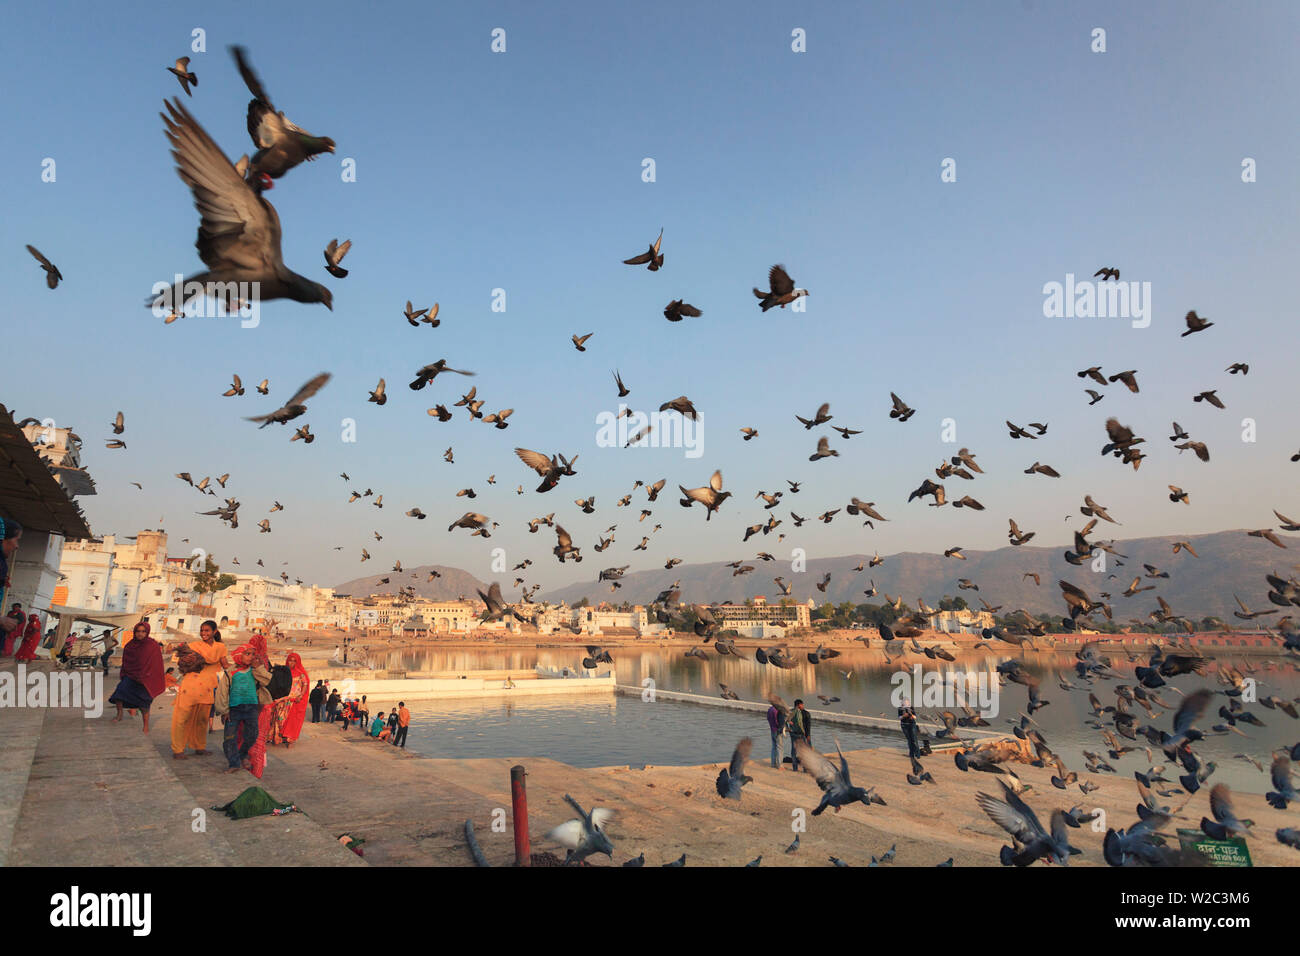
<point x="291" y="710"/>
<point x="201" y="662"/>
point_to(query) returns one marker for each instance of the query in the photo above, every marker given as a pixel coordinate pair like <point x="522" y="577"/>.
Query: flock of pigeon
<point x="1120" y="732"/>
<point x="239" y="242"/>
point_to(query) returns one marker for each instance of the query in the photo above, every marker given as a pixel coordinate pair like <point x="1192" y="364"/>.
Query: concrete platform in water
<point x="450" y="685"/>
<point x="879" y="724"/>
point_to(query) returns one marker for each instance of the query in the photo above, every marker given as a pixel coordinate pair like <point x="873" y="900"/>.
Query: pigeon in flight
<point x="280" y="144"/>
<point x="334" y="254"/>
<point x="1194" y="324"/>
<point x="711" y="495"/>
<point x="819" y="418"/>
<point x="52" y="273"/>
<point x="652" y="259"/>
<point x="239" y="231"/>
<point x="837" y="788"/>
<point x="1030" y="841"/>
<point x="551" y="469"/>
<point x="676" y="309"/>
<point x="585" y="835"/>
<point x="428" y="373"/>
<point x="296" y="405"/>
<point x="732" y="778"/>
<point x="781" y="289"/>
<point x="183" y="75"/>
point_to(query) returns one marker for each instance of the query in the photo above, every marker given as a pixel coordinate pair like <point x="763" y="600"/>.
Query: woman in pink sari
<point x="31" y="637"/>
<point x="291" y="710"/>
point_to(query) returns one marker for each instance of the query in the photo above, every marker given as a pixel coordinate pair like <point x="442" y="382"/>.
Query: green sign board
<point x="1230" y="852"/>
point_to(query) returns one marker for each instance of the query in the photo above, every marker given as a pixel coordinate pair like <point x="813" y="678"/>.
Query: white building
<point x="255" y="601"/>
<point x="91" y="578"/>
<point x="136" y="574"/>
<point x="40" y="474"/>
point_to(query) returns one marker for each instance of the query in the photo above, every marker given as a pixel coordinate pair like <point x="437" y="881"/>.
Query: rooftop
<point x="29" y="491"/>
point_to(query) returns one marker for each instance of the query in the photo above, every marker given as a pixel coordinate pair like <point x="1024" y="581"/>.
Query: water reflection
<point x="596" y="732"/>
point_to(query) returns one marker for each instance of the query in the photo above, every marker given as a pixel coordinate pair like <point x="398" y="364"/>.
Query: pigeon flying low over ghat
<point x="239" y="231"/>
<point x="732" y="778"/>
<point x="837" y="789"/>
<point x="585" y="835"/>
<point x="1030" y="841"/>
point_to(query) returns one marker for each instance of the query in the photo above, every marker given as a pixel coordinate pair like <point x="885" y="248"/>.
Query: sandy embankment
<point x="412" y="809"/>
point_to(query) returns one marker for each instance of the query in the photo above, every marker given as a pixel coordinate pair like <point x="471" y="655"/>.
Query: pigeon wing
<point x="779" y="281"/>
<point x="309" y="388"/>
<point x="237" y="229"/>
<point x="534" y="460"/>
<point x="568" y="834"/>
<point x="821" y="769"/>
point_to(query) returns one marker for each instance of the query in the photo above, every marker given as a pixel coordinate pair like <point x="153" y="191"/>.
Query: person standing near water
<point x="403" y="721"/>
<point x="800" y="730"/>
<point x="317" y="699"/>
<point x="907" y="720"/>
<point x="774" y="725"/>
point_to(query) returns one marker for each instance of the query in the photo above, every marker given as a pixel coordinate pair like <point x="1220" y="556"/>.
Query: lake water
<point x="604" y="731"/>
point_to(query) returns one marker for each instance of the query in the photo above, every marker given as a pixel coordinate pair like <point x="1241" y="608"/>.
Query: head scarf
<point x="257" y="644"/>
<point x="245" y="655"/>
<point x="142" y="661"/>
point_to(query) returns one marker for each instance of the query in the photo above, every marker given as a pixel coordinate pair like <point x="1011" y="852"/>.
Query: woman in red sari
<point x="142" y="674"/>
<point x="31" y="637"/>
<point x="291" y="710"/>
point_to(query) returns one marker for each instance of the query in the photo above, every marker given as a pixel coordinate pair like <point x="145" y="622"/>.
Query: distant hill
<point x="1229" y="563"/>
<point x="452" y="584"/>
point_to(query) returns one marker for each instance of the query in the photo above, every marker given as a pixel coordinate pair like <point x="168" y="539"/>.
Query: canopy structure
<point x="29" y="492"/>
<point x="67" y="616"/>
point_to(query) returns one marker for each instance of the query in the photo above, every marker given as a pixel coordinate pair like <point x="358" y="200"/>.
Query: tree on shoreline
<point x="210" y="580"/>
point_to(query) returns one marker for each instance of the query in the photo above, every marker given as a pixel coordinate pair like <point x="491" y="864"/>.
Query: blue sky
<point x="522" y="171"/>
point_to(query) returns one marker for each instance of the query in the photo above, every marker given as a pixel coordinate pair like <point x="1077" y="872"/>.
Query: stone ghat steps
<point x="85" y="791"/>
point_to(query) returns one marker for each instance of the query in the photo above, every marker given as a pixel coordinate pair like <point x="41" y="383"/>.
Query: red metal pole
<point x="519" y="801"/>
